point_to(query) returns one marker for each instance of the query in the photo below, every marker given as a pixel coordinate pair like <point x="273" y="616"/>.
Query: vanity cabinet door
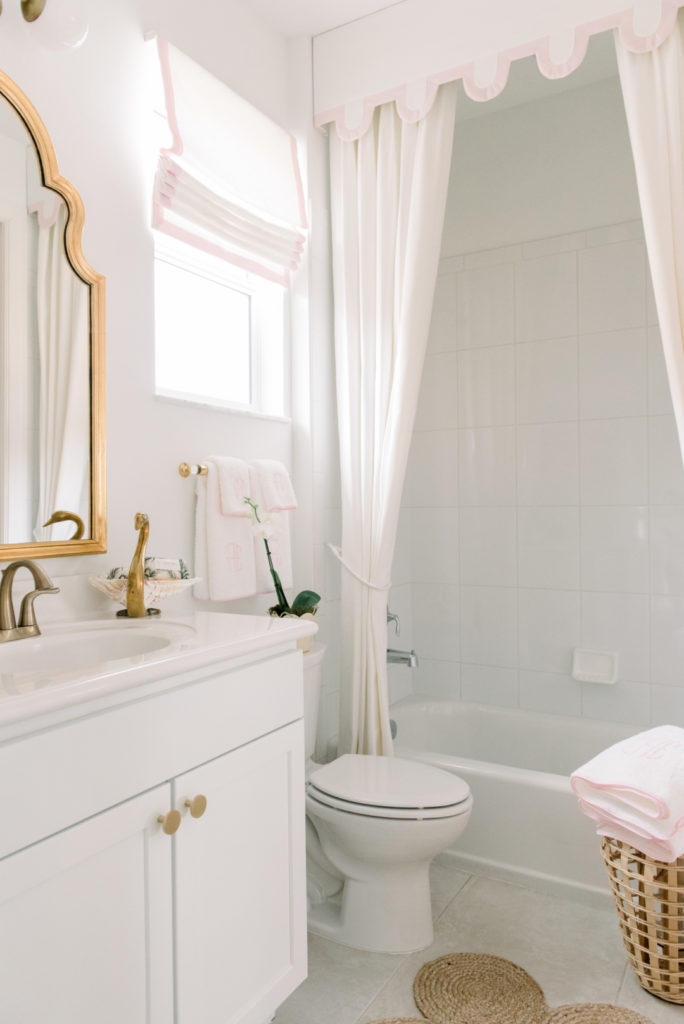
<point x="240" y="886"/>
<point x="86" y="921"/>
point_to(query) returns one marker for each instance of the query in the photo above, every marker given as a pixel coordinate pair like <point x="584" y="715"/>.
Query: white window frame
<point x="269" y="355"/>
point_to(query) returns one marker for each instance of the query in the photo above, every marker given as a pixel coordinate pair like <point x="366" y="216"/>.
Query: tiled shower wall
<point x="544" y="501"/>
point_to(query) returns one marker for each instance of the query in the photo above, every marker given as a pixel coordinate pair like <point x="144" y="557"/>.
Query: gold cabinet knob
<point x="197" y="805"/>
<point x="170" y="822"/>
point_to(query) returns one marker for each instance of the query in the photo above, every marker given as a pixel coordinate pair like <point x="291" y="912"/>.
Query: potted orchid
<point x="306" y="602"/>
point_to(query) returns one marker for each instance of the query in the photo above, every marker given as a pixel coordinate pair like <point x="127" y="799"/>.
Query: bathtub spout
<point x="395" y="657"/>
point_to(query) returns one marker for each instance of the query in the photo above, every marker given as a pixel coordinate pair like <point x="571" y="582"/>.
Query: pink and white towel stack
<point x="229" y="559"/>
<point x="634" y="791"/>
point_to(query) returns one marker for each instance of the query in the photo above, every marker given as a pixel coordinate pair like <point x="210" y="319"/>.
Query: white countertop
<point x="60" y="688"/>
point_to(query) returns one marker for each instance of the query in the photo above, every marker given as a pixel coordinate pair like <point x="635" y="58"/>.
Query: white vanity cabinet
<point x="105" y="918"/>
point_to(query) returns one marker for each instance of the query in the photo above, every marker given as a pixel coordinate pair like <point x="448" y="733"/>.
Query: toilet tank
<point x="312" y="691"/>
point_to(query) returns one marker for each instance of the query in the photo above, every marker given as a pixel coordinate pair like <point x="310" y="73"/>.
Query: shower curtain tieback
<point x="367" y="583"/>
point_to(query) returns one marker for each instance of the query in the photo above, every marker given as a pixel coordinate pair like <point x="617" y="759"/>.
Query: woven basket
<point x="649" y="895"/>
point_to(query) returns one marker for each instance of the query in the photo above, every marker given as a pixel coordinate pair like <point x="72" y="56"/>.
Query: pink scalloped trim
<point x="623" y="21"/>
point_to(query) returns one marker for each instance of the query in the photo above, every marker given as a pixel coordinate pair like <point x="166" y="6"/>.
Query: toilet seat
<point x="389" y="787"/>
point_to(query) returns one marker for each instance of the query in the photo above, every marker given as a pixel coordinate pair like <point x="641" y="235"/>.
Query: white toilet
<point x="374" y="825"/>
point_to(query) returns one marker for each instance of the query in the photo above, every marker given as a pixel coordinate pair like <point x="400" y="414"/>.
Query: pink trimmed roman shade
<point x="229" y="183"/>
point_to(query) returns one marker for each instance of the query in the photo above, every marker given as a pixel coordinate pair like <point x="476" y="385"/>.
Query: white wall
<point x="92" y="101"/>
<point x="544" y="503"/>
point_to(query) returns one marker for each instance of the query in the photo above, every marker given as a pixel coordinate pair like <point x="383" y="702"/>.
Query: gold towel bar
<point x="185" y="469"/>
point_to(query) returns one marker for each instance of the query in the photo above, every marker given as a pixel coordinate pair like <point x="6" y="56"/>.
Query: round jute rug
<point x="595" y="1013"/>
<point x="476" y="988"/>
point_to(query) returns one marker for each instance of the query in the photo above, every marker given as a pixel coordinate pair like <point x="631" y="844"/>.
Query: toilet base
<point x="392" y="915"/>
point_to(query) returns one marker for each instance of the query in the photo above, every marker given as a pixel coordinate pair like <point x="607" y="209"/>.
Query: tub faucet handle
<point x="393" y="617"/>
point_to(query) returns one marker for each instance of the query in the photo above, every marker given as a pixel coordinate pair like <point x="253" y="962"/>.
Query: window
<point x="219" y="332"/>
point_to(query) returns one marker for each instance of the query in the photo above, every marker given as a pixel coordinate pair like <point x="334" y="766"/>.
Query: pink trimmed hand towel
<point x="233" y="484"/>
<point x="638" y="779"/>
<point x="275" y="486"/>
<point x="224" y="545"/>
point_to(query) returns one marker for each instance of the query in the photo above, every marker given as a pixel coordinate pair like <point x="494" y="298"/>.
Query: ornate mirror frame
<point x="97" y="527"/>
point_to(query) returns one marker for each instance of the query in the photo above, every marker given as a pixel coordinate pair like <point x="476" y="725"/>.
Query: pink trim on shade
<point x="160" y="223"/>
<point x="167" y="79"/>
<point x="622" y="21"/>
<point x="298" y="183"/>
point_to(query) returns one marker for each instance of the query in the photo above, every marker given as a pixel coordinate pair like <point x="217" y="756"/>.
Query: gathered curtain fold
<point x="388" y="197"/>
<point x="62" y="304"/>
<point x="653" y="91"/>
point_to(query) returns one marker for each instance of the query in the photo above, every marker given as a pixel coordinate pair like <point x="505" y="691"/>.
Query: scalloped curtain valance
<point x="229" y="183"/>
<point x="357" y="67"/>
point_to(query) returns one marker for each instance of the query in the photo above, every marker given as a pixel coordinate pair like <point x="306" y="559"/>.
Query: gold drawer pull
<point x="197" y="805"/>
<point x="170" y="822"/>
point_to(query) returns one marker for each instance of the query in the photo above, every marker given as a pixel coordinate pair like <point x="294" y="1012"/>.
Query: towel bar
<point x="185" y="469"/>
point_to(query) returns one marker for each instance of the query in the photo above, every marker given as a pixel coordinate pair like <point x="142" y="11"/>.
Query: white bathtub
<point x="525" y="824"/>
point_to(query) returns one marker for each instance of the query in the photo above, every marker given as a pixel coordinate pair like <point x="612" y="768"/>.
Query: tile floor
<point x="572" y="947"/>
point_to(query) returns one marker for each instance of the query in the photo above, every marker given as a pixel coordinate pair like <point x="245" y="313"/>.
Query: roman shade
<point x="229" y="182"/>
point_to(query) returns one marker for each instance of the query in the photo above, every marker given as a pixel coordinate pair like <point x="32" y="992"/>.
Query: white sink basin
<point x="84" y="646"/>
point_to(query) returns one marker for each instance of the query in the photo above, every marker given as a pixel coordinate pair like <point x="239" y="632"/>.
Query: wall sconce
<point x="57" y="24"/>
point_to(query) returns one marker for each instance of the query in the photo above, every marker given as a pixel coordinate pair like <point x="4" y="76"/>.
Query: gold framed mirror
<point x="52" y="351"/>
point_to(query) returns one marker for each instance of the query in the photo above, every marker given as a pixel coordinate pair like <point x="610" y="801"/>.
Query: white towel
<point x="224" y="546"/>
<point x="639" y="781"/>
<point x="277" y="524"/>
<point x="233" y="484"/>
<point x="660" y="849"/>
<point x="275" y="486"/>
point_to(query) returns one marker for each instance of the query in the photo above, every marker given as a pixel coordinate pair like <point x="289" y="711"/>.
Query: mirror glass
<point x="51" y="348"/>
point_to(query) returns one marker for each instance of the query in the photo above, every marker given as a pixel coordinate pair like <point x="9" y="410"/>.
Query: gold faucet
<point x="27" y="617"/>
<point x="135" y="585"/>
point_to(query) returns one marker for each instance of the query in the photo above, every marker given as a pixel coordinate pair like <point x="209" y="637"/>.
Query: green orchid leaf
<point x="305" y="601"/>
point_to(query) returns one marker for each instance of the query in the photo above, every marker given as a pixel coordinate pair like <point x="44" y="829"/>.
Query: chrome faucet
<point x="9" y="630"/>
<point x="395" y="657"/>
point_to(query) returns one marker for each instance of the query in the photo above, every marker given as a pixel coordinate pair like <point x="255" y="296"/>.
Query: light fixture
<point x="57" y="24"/>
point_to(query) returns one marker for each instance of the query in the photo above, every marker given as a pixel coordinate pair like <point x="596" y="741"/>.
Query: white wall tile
<point x="667" y="549"/>
<point x="627" y="231"/>
<point x="442" y="336"/>
<point x="659" y="397"/>
<point x="486" y="466"/>
<point x="613" y="374"/>
<point x="548" y="470"/>
<point x="489" y="626"/>
<point x="667" y="705"/>
<point x="667" y="640"/>
<point x="434" y="545"/>
<point x="437" y="404"/>
<point x="486" y="306"/>
<point x="550" y="693"/>
<point x="624" y="702"/>
<point x="549" y="629"/>
<point x="612" y="287"/>
<point x="435" y="615"/>
<point x="399" y="682"/>
<point x="486" y="386"/>
<point x="402" y="566"/>
<point x="488" y="554"/>
<point x="437" y="678"/>
<point x="615" y="548"/>
<point x="546" y="290"/>
<point x="432" y="470"/>
<point x="489" y="684"/>
<point x="614" y="462"/>
<point x="619" y="622"/>
<point x="547" y="381"/>
<point x="551" y="246"/>
<point x="548" y="548"/>
<point x="666" y="472"/>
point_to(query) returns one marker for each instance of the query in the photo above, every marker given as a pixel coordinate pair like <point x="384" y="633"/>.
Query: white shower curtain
<point x="653" y="91"/>
<point x="388" y="195"/>
<point x="64" y="367"/>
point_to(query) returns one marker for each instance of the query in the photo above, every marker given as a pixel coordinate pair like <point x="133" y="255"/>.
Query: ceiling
<point x="312" y="17"/>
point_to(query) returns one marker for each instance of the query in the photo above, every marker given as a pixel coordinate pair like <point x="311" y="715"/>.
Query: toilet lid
<point x="389" y="782"/>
